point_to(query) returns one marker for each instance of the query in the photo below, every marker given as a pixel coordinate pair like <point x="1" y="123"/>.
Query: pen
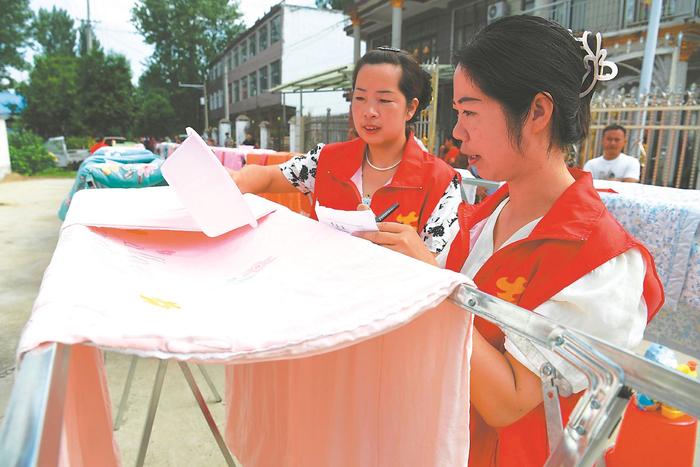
<point x="387" y="213"/>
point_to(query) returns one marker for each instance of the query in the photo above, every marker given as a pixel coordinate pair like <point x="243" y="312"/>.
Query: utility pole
<point x="203" y="87"/>
<point x="88" y="30"/>
<point x="646" y="74"/>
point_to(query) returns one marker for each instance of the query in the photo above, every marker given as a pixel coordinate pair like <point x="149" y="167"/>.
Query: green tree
<point x="156" y="116"/>
<point x="54" y="31"/>
<point x="15" y="20"/>
<point x="186" y="35"/>
<point x="106" y="93"/>
<point x="51" y="96"/>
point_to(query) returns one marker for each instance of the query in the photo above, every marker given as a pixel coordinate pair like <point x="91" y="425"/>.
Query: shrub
<point x="28" y="154"/>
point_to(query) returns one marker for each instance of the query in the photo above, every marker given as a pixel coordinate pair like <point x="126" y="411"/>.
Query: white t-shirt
<point x="606" y="303"/>
<point x="623" y="166"/>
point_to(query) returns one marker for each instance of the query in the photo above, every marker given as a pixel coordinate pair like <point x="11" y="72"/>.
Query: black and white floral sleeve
<point x="301" y="170"/>
<point x="442" y="226"/>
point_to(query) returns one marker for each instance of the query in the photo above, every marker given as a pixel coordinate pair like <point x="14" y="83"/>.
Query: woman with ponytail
<point x="384" y="165"/>
<point x="544" y="240"/>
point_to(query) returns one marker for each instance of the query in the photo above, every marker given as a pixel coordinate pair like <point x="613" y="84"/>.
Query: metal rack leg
<point x="228" y="457"/>
<point x="151" y="415"/>
<point x="125" y="393"/>
<point x="210" y="383"/>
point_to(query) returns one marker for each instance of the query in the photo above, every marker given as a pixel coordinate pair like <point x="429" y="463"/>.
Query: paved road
<point x="28" y="233"/>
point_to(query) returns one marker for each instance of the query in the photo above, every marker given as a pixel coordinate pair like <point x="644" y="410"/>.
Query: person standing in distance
<point x="614" y="164"/>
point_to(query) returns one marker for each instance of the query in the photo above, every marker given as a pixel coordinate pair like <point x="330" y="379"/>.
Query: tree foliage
<point x="67" y="95"/>
<point x="15" y="20"/>
<point x="156" y="116"/>
<point x="51" y="96"/>
<point x="105" y="93"/>
<point x="186" y="35"/>
<point x="54" y="31"/>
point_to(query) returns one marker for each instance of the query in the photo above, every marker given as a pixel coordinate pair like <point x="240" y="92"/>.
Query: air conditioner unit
<point x="496" y="10"/>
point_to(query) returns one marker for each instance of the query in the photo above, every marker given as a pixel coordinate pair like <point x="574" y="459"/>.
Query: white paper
<point x="152" y="208"/>
<point x="347" y="221"/>
<point x="205" y="188"/>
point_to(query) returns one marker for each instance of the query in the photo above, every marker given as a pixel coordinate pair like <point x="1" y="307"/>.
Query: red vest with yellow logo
<point x="577" y="235"/>
<point x="418" y="184"/>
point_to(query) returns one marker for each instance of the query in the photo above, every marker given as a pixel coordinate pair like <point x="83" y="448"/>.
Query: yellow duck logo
<point x="510" y="291"/>
<point x="159" y="302"/>
<point x="410" y="219"/>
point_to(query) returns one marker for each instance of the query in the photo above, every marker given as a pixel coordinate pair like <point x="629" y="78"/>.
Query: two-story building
<point x="289" y="42"/>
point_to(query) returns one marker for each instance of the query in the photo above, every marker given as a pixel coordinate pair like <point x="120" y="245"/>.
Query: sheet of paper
<point x="205" y="188"/>
<point x="153" y="208"/>
<point x="347" y="221"/>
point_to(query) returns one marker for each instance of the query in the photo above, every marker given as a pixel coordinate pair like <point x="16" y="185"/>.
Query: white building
<point x="288" y="43"/>
<point x="6" y="101"/>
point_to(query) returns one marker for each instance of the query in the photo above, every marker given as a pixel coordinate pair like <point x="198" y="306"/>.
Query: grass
<point x="56" y="172"/>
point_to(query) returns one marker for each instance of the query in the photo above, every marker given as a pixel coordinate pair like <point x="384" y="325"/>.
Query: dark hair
<point x="414" y="82"/>
<point x="515" y="58"/>
<point x="615" y="126"/>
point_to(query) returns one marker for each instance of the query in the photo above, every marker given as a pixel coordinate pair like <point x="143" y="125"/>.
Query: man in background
<point x="614" y="164"/>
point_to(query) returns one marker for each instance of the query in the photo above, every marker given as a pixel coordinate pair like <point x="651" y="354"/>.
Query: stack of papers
<point x="347" y="221"/>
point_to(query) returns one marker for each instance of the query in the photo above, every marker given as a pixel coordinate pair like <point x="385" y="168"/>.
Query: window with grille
<point x="275" y="29"/>
<point x="275" y="73"/>
<point x="252" y="49"/>
<point x="253" y="84"/>
<point x="467" y="21"/>
<point x="262" y="75"/>
<point x="262" y="37"/>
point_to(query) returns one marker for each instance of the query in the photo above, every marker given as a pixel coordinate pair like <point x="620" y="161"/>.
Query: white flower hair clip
<point x="597" y="63"/>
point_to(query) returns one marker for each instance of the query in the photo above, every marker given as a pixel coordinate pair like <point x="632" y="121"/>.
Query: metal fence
<point x="663" y="129"/>
<point x="325" y="129"/>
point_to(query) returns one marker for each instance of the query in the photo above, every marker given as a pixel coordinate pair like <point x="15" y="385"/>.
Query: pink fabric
<point x="362" y="368"/>
<point x="398" y="399"/>
<point x="87" y="419"/>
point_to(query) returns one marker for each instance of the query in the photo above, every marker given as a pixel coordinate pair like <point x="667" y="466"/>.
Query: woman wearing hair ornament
<point x="544" y="240"/>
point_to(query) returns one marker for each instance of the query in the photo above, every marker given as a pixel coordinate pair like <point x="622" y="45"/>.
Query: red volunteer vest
<point x="418" y="184"/>
<point x="577" y="235"/>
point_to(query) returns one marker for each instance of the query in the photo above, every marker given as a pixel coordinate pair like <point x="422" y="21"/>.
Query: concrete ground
<point x="28" y="234"/>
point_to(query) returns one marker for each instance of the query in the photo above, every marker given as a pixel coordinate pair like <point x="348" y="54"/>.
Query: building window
<point x="384" y="39"/>
<point x="244" y="88"/>
<point x="423" y="50"/>
<point x="253" y="84"/>
<point x="252" y="49"/>
<point x="234" y="56"/>
<point x="275" y="74"/>
<point x="262" y="37"/>
<point x="244" y="51"/>
<point x="275" y="29"/>
<point x="230" y="92"/>
<point x="528" y="5"/>
<point x="262" y="73"/>
<point x="466" y="22"/>
<point x="235" y="97"/>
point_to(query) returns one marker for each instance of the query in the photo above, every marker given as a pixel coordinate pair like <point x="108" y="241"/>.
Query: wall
<point x="314" y="41"/>
<point x="4" y="150"/>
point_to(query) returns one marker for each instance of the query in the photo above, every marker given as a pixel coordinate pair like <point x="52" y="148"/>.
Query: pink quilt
<point x="341" y="352"/>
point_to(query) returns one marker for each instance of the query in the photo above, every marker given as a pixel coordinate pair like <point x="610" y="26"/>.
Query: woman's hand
<point x="401" y="238"/>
